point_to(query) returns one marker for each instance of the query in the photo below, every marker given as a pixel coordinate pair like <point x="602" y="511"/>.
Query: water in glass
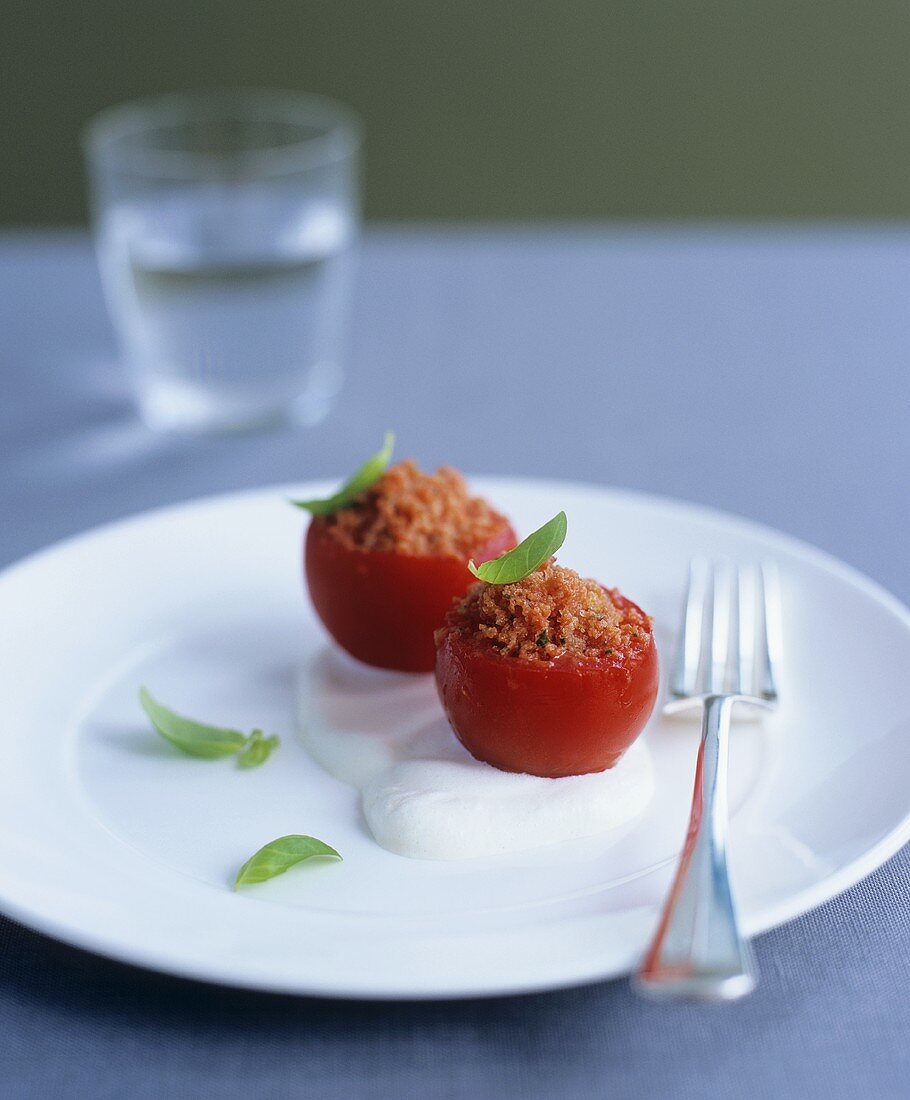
<point x="229" y="299"/>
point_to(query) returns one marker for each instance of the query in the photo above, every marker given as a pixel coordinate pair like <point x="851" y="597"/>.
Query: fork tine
<point x="734" y="655"/>
<point x="688" y="651"/>
<point x="719" y="641"/>
<point x="770" y="630"/>
<point x="747" y="595"/>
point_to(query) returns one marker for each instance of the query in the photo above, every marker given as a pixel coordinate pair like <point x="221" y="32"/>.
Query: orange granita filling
<point x="551" y="613"/>
<point x="409" y="512"/>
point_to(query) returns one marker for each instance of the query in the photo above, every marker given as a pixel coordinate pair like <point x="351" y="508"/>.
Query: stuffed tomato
<point x="553" y="675"/>
<point x="383" y="570"/>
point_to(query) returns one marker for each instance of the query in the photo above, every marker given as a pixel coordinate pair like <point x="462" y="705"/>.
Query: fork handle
<point x="698" y="951"/>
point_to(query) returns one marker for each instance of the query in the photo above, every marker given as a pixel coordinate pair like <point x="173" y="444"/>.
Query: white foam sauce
<point x="424" y="795"/>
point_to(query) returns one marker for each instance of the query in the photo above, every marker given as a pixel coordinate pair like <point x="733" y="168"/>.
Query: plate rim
<point x="797" y="904"/>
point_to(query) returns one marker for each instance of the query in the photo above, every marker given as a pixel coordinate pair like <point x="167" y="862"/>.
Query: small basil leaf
<point x="368" y="474"/>
<point x="279" y="856"/>
<point x="258" y="750"/>
<point x="193" y="738"/>
<point x="527" y="556"/>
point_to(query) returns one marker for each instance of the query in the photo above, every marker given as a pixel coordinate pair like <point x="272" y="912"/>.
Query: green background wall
<point x="504" y="108"/>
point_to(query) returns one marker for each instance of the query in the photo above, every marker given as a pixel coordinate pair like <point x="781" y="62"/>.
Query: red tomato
<point x="550" y="718"/>
<point x="383" y="607"/>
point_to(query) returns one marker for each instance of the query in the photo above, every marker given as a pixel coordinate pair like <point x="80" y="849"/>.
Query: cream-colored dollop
<point x="424" y="795"/>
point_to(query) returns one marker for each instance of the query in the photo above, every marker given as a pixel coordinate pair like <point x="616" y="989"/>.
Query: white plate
<point x="111" y="840"/>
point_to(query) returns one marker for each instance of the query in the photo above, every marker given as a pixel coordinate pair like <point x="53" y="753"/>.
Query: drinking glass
<point x="225" y="226"/>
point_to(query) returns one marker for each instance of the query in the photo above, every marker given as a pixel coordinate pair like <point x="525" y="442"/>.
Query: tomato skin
<point x="553" y="718"/>
<point x="383" y="607"/>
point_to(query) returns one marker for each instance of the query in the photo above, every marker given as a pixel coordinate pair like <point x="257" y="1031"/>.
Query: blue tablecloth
<point x="764" y="371"/>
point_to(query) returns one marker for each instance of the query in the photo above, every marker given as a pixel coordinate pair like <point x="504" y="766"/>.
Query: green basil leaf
<point x="368" y="474"/>
<point x="527" y="556"/>
<point x="258" y="749"/>
<point x="193" y="738"/>
<point x="279" y="856"/>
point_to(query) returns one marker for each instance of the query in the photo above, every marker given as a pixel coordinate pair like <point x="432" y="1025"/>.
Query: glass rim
<point x="341" y="138"/>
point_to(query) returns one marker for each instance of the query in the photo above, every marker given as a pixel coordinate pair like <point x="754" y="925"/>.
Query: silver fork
<point x="728" y="654"/>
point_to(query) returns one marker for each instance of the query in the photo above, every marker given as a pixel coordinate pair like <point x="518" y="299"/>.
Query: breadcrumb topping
<point x="409" y="512"/>
<point x="550" y="614"/>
